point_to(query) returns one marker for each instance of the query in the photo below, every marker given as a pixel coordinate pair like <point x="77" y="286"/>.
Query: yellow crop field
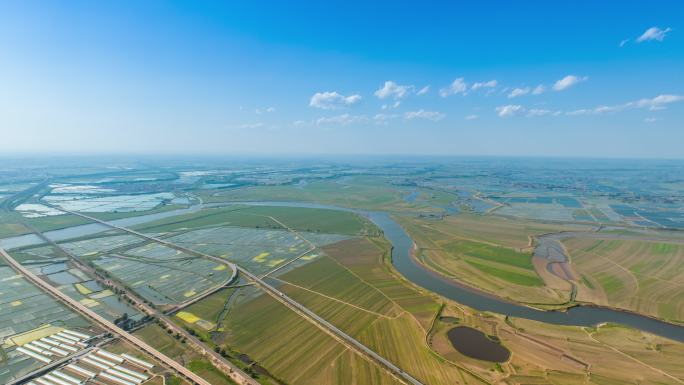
<point x="187" y="317"/>
<point x="261" y="257"/>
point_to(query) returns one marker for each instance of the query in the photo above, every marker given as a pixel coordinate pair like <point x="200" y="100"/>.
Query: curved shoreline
<point x="561" y="308"/>
<point x="580" y="315"/>
<point x="479" y="291"/>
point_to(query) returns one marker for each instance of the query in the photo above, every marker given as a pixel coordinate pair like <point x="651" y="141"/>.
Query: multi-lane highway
<point x="107" y="325"/>
<point x="281" y="297"/>
<point x="237" y="374"/>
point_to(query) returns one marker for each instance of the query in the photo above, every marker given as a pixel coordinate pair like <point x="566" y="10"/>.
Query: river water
<point x="401" y="259"/>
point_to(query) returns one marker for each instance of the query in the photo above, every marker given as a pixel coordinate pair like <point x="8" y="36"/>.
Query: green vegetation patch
<point x="209" y="372"/>
<point x="610" y="283"/>
<point x="211" y="307"/>
<point x="664" y="248"/>
<point x="507" y="275"/>
<point x="491" y="253"/>
<point x="161" y="340"/>
<point x="301" y="219"/>
<point x="358" y="191"/>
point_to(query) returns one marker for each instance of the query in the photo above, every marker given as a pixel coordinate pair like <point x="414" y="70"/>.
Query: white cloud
<point x="384" y="118"/>
<point x="508" y="110"/>
<point x="623" y="42"/>
<point x="568" y="82"/>
<point x="653" y="104"/>
<point x="653" y="33"/>
<point x="650" y="120"/>
<point x="393" y="90"/>
<point x="538" y="90"/>
<point x="582" y="111"/>
<point x="341" y="120"/>
<point x="422" y="114"/>
<point x="471" y="117"/>
<point x="391" y="106"/>
<point x="489" y="84"/>
<point x="657" y="103"/>
<point x="519" y="92"/>
<point x="534" y="112"/>
<point x="458" y="86"/>
<point x="264" y="110"/>
<point x="423" y="90"/>
<point x="333" y="100"/>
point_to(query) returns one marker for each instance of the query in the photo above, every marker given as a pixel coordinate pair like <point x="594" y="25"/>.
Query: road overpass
<point x="237" y="374"/>
<point x="281" y="297"/>
<point x="107" y="325"/>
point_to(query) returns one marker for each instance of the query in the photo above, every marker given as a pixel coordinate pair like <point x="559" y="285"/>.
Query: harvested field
<point x="354" y="289"/>
<point x="643" y="276"/>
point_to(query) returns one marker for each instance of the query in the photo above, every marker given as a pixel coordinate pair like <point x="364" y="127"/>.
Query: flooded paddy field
<point x="24" y="307"/>
<point x="475" y="344"/>
<point x="122" y="177"/>
<point x="163" y="275"/>
<point x="92" y="246"/>
<point x="538" y="211"/>
<point x="115" y="203"/>
<point x="25" y="312"/>
<point x="60" y="188"/>
<point x="257" y="250"/>
<point x="83" y="288"/>
<point x="44" y="261"/>
<point x="35" y="210"/>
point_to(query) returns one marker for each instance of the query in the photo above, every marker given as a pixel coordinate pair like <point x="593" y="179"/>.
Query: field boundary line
<point x="401" y="309"/>
<point x="637" y="288"/>
<point x="632" y="358"/>
<point x="641" y="274"/>
<point x="337" y="300"/>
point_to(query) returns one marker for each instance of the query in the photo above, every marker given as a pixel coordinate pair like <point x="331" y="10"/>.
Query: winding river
<point x="411" y="270"/>
<point x="421" y="276"/>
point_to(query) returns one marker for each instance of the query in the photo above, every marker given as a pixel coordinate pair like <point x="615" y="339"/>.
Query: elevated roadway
<point x="107" y="325"/>
<point x="281" y="297"/>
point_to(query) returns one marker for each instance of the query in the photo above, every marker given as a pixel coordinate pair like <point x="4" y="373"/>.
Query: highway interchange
<point x="281" y="297"/>
<point x="217" y="359"/>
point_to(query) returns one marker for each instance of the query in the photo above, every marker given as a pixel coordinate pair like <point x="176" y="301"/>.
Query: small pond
<point x="475" y="344"/>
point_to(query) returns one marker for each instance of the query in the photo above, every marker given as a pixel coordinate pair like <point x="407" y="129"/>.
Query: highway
<point x="281" y="297"/>
<point x="237" y="374"/>
<point x="107" y="325"/>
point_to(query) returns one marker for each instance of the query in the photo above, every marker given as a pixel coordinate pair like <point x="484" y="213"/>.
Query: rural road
<point x="107" y="325"/>
<point x="237" y="374"/>
<point x="281" y="297"/>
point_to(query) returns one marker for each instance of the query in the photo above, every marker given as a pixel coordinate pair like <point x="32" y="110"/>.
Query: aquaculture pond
<point x="475" y="344"/>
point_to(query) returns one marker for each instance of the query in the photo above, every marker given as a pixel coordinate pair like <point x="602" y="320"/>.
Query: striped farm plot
<point x="92" y="246"/>
<point x="163" y="275"/>
<point x="24" y="307"/>
<point x="83" y="288"/>
<point x="26" y="314"/>
<point x="643" y="276"/>
<point x="257" y="250"/>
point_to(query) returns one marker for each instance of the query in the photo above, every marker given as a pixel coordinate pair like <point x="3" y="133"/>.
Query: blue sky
<point x="584" y="78"/>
